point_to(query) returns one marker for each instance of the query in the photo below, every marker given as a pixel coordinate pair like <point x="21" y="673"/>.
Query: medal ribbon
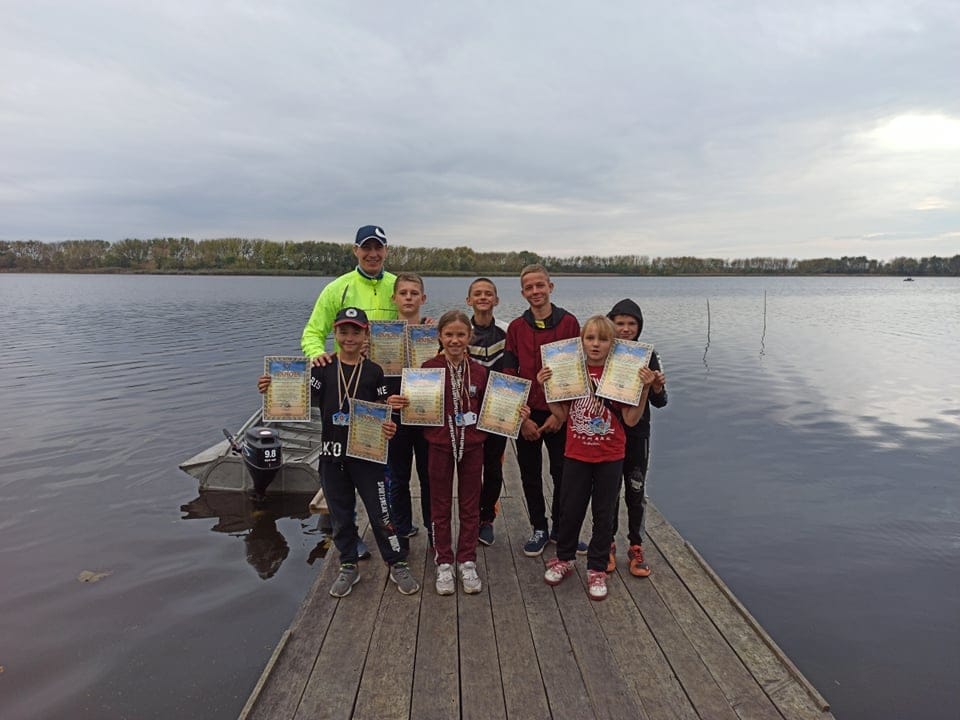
<point x="458" y="395"/>
<point x="343" y="383"/>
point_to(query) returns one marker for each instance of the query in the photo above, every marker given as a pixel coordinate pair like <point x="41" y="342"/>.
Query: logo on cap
<point x="350" y="312"/>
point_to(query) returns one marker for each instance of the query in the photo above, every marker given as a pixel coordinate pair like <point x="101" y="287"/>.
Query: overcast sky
<point x="714" y="129"/>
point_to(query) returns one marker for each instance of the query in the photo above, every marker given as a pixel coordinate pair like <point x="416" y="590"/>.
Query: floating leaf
<point x="89" y="576"/>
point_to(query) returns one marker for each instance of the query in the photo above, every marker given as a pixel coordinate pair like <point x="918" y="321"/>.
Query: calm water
<point x="809" y="451"/>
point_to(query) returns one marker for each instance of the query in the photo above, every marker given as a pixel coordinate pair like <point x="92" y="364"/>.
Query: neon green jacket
<point x="352" y="289"/>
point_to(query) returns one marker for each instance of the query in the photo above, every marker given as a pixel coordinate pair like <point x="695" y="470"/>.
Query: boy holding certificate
<point x="409" y="297"/>
<point x="542" y="323"/>
<point x="628" y="320"/>
<point x="486" y="347"/>
<point x="350" y="377"/>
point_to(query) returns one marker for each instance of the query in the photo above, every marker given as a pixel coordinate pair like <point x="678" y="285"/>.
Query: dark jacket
<point x="324" y="384"/>
<point x="522" y="353"/>
<point x="642" y="428"/>
<point x="487" y="344"/>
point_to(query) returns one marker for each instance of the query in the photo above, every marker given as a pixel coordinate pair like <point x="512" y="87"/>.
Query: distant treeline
<point x="243" y="256"/>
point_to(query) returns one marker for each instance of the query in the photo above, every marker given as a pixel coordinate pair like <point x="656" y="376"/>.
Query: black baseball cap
<point x="352" y="316"/>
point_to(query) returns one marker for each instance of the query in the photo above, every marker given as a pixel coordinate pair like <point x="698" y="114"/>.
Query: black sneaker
<point x="363" y="552"/>
<point x="486" y="533"/>
<point x="534" y="546"/>
<point x="412" y="532"/>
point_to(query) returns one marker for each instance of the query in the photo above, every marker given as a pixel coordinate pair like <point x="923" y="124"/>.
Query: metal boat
<point x="222" y="466"/>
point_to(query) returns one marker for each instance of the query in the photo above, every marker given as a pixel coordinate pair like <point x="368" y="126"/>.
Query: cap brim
<point x="358" y="323"/>
<point x="372" y="237"/>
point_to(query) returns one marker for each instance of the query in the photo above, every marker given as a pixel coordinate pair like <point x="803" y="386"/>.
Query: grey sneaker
<point x="469" y="578"/>
<point x="400" y="574"/>
<point x="446" y="585"/>
<point x="348" y="577"/>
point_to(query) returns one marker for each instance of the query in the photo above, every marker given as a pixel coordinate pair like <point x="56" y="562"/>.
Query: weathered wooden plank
<point x="332" y="687"/>
<point x="610" y="695"/>
<point x="523" y="691"/>
<point x="481" y="689"/>
<point x="281" y="689"/>
<point x="758" y="652"/>
<point x="436" y="672"/>
<point x="694" y="676"/>
<point x="566" y="691"/>
<point x="643" y="665"/>
<point x="386" y="688"/>
<point x="738" y="685"/>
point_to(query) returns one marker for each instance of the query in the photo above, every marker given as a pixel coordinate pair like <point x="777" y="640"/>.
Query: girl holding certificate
<point x="455" y="444"/>
<point x="593" y="461"/>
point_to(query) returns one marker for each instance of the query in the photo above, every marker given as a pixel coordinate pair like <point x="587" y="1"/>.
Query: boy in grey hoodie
<point x="628" y="320"/>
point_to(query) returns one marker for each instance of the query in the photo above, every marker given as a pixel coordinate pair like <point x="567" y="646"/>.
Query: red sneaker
<point x="597" y="584"/>
<point x="638" y="568"/>
<point x="612" y="561"/>
<point x="557" y="570"/>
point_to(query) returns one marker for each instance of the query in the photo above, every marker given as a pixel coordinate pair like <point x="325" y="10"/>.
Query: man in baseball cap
<point x="370" y="232"/>
<point x="367" y="287"/>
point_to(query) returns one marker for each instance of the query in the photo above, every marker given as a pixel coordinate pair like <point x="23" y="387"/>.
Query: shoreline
<point x="444" y="273"/>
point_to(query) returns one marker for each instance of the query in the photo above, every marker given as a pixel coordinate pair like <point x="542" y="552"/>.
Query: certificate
<point x="500" y="412"/>
<point x="424" y="388"/>
<point x="288" y="397"/>
<point x="621" y="372"/>
<point x="422" y="344"/>
<point x="569" y="380"/>
<point x="365" y="438"/>
<point x="386" y="345"/>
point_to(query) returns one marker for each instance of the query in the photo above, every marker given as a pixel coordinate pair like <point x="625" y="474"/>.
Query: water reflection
<point x="763" y="333"/>
<point x="707" y="346"/>
<point x="255" y="521"/>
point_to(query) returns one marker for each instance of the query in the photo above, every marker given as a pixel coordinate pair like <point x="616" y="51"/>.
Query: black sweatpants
<point x="634" y="490"/>
<point x="493" y="449"/>
<point x="342" y="481"/>
<point x="530" y="459"/>
<point x="408" y="443"/>
<point x="584" y="484"/>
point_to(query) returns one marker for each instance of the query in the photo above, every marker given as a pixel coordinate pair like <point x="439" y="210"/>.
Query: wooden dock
<point x="675" y="645"/>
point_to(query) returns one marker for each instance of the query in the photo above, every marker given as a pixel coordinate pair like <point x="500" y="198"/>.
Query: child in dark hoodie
<point x="628" y="320"/>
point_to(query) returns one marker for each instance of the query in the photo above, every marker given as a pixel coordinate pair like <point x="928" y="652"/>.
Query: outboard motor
<point x="262" y="456"/>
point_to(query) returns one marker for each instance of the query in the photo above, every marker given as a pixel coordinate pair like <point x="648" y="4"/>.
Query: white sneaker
<point x="469" y="578"/>
<point x="446" y="585"/>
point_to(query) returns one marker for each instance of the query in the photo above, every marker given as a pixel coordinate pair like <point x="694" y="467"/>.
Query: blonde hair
<point x="410" y="278"/>
<point x="604" y="326"/>
<point x="534" y="268"/>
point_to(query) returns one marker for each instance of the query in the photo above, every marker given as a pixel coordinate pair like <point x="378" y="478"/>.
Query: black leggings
<point x="583" y="484"/>
<point x="634" y="490"/>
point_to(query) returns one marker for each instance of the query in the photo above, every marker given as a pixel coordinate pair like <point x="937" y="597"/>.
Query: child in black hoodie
<point x="628" y="320"/>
